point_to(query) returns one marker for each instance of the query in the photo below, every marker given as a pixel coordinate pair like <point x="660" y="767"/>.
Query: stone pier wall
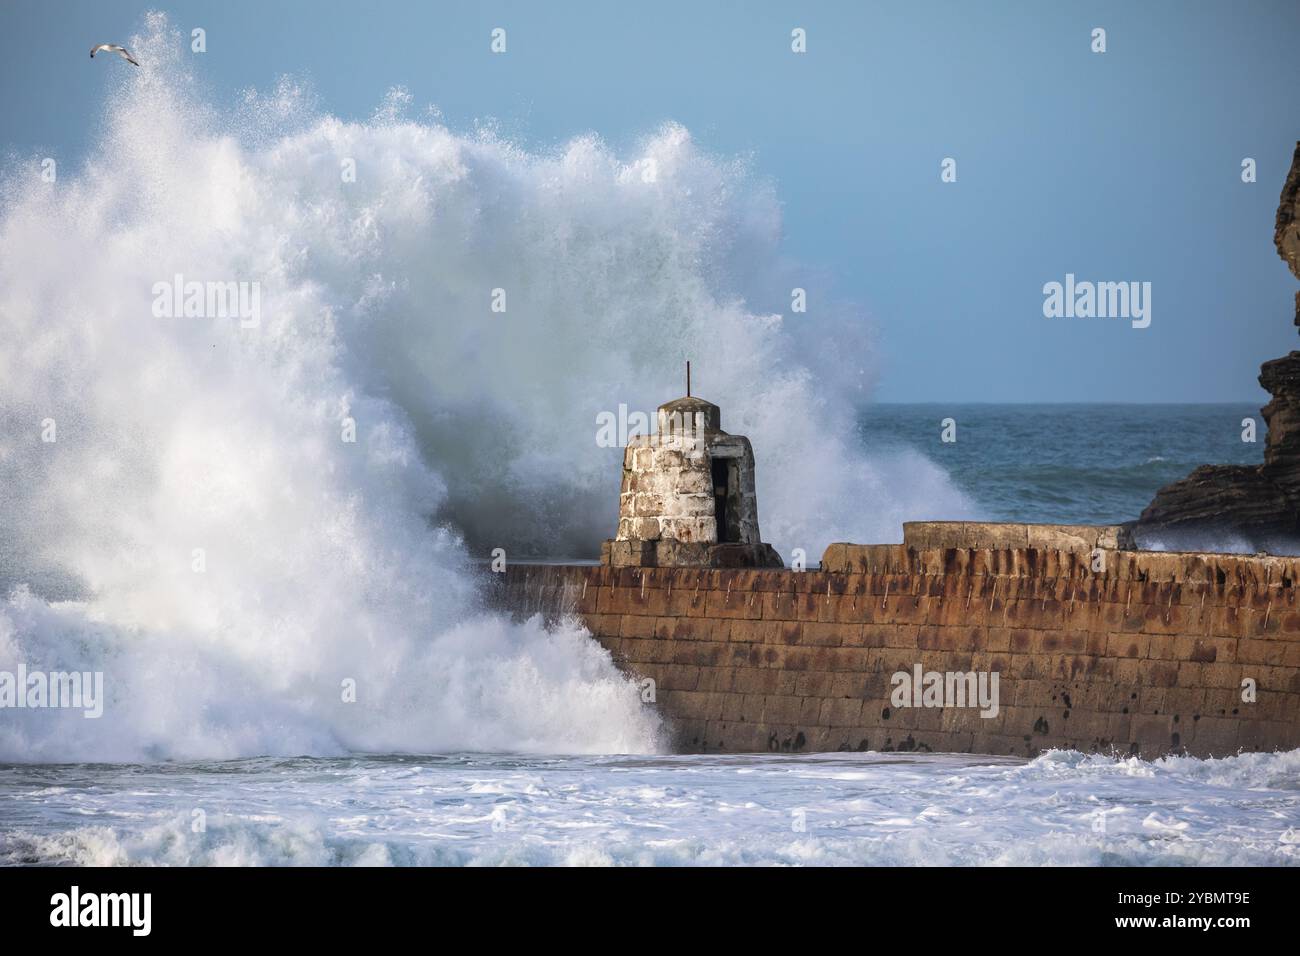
<point x="1096" y="648"/>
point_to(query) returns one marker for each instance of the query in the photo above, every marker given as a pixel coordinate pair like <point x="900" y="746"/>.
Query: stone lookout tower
<point x="688" y="498"/>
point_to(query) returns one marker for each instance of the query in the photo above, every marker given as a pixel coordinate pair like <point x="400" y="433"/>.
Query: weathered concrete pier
<point x="1097" y="648"/>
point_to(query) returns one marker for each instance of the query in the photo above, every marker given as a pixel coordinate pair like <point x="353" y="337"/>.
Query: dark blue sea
<point x="1086" y="464"/>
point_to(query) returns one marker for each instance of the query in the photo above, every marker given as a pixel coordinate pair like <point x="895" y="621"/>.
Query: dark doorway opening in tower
<point x="723" y="508"/>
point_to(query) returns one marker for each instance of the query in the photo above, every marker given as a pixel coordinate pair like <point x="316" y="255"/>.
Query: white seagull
<point x="114" y="48"/>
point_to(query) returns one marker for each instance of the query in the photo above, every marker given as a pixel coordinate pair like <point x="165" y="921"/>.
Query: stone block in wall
<point x="1160" y="647"/>
<point x="1257" y="650"/>
<point x="724" y="604"/>
<point x="755" y="680"/>
<point x="936" y="535"/>
<point x="864" y="558"/>
<point x="1153" y="733"/>
<point x="1266" y="735"/>
<point x="637" y="626"/>
<point x="1214" y="736"/>
<point x="821" y="634"/>
<point x="998" y="536"/>
<point x="1184" y="703"/>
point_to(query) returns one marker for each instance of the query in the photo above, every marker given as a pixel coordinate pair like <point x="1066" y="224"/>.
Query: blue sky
<point x="1116" y="166"/>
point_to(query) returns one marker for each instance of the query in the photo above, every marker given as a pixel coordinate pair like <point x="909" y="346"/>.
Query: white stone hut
<point x="687" y="498"/>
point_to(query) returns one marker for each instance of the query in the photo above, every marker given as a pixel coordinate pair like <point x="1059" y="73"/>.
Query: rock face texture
<point x="1281" y="377"/>
<point x="1220" y="498"/>
<point x="1287" y="234"/>
<point x="1262" y="503"/>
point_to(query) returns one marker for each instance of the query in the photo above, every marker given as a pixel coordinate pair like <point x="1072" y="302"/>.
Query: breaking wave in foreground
<point x="186" y="443"/>
<point x="879" y="809"/>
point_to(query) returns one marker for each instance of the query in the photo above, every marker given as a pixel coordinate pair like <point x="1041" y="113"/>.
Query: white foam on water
<point x="328" y="561"/>
<point x="782" y="810"/>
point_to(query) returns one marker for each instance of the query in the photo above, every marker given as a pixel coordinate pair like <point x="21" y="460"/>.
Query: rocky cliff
<point x="1286" y="236"/>
<point x="1262" y="502"/>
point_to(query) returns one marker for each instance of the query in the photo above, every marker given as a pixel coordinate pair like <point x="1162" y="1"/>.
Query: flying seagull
<point x="114" y="48"/>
